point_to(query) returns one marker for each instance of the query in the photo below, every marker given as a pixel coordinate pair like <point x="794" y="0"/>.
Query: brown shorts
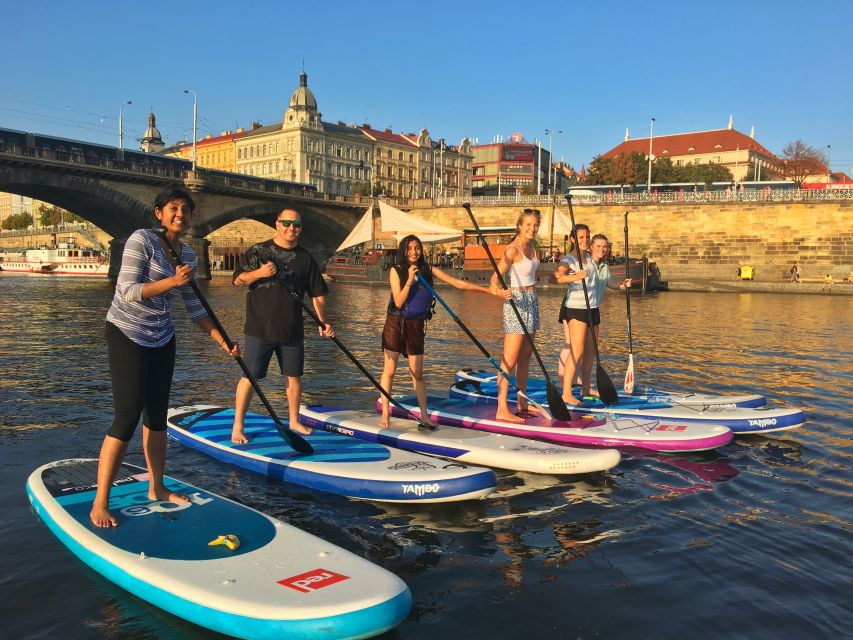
<point x="404" y="335"/>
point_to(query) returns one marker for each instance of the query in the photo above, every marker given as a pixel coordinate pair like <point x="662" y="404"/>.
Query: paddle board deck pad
<point x="536" y="386"/>
<point x="340" y="465"/>
<point x="280" y="582"/>
<point x="584" y="429"/>
<point x="741" y="420"/>
<point x="463" y="445"/>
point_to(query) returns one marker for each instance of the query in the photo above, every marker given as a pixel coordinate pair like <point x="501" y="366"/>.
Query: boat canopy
<point x="400" y="224"/>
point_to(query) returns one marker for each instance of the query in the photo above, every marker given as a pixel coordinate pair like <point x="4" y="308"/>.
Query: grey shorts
<point x="257" y="354"/>
<point x="527" y="303"/>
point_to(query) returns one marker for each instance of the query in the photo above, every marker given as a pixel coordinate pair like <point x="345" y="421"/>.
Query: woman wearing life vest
<point x="518" y="265"/>
<point x="409" y="307"/>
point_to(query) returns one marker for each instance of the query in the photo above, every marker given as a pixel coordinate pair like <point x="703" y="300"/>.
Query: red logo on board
<point x="671" y="427"/>
<point x="312" y="580"/>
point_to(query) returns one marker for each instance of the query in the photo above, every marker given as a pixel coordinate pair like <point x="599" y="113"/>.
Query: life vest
<point x="419" y="303"/>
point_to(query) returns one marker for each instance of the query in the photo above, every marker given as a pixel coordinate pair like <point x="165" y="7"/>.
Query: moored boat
<point x="63" y="259"/>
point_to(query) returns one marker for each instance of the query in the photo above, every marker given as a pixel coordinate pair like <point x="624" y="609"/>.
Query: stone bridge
<point x="120" y="200"/>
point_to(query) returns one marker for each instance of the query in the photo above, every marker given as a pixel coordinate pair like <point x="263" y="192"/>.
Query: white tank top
<point x="523" y="272"/>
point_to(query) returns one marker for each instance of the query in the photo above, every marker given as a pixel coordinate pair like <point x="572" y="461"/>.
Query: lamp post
<point x="651" y="135"/>
<point x="828" y="165"/>
<point x="120" y="127"/>
<point x="550" y="133"/>
<point x="195" y="120"/>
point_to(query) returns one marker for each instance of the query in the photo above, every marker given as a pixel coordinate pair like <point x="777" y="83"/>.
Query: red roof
<point x="685" y="144"/>
<point x="388" y="136"/>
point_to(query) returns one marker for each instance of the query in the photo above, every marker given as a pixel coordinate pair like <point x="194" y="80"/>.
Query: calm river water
<point x="751" y="541"/>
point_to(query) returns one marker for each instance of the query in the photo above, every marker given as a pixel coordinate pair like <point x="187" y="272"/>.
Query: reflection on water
<point x="761" y="527"/>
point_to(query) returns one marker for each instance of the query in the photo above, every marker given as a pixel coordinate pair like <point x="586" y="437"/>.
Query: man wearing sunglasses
<point x="274" y="323"/>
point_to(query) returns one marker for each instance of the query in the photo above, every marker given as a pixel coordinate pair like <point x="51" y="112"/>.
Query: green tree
<point x="18" y="221"/>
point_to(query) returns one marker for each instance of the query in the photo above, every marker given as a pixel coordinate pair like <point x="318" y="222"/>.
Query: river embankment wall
<point x="703" y="241"/>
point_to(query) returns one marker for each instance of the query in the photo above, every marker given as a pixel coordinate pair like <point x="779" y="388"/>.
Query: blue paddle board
<point x="276" y="582"/>
<point x="340" y="465"/>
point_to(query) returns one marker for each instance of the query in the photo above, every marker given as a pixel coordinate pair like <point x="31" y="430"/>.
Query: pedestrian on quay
<point x="409" y="308"/>
<point x="519" y="264"/>
<point x="795" y="272"/>
<point x="577" y="354"/>
<point x="140" y="337"/>
<point x="274" y="322"/>
<point x="827" y="283"/>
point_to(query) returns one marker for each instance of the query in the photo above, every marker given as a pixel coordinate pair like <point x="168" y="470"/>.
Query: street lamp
<point x="651" y="135"/>
<point x="549" y="133"/>
<point x="195" y="120"/>
<point x="120" y="127"/>
<point x="828" y="164"/>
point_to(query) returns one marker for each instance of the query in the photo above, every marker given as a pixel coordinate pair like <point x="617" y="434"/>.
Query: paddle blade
<point x="629" y="375"/>
<point x="606" y="390"/>
<point x="557" y="405"/>
<point x="297" y="442"/>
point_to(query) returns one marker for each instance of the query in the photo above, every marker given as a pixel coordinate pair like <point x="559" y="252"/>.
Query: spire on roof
<point x="731" y="122"/>
<point x="752" y="132"/>
<point x="627" y="137"/>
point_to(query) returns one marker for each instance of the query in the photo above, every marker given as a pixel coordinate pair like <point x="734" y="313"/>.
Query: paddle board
<point x="585" y="429"/>
<point x="741" y="420"/>
<point x="641" y="394"/>
<point x="339" y="464"/>
<point x="279" y="582"/>
<point x="464" y="445"/>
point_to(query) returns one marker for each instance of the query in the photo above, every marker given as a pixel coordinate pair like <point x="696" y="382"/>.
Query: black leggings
<point x="142" y="380"/>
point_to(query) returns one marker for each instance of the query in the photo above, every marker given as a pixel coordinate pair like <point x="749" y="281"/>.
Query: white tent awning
<point x="361" y="232"/>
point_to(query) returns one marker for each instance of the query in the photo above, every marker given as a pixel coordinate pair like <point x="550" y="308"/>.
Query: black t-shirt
<point x="272" y="313"/>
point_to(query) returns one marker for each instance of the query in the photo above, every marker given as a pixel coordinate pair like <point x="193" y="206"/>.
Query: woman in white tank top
<point x="518" y="266"/>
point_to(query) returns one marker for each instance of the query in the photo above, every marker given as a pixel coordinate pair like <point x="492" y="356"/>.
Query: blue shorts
<point x="527" y="304"/>
<point x="257" y="354"/>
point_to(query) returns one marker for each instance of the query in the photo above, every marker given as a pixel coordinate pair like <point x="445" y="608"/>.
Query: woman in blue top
<point x="141" y="342"/>
<point x="409" y="307"/>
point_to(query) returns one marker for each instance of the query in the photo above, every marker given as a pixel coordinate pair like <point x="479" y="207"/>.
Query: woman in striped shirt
<point x="141" y="341"/>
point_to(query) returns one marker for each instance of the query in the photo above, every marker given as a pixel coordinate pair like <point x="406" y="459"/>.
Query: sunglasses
<point x="297" y="224"/>
<point x="534" y="212"/>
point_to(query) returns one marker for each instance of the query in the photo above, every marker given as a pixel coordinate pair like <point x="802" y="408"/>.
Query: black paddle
<point x="282" y="271"/>
<point x="629" y="372"/>
<point x="482" y="349"/>
<point x="555" y="400"/>
<point x="297" y="442"/>
<point x="606" y="390"/>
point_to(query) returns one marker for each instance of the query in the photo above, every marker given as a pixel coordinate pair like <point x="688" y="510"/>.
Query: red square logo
<point x="671" y="427"/>
<point x="312" y="580"/>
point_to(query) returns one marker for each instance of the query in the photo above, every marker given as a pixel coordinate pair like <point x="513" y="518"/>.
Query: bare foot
<point x="300" y="428"/>
<point x="384" y="420"/>
<point x="164" y="495"/>
<point x="571" y="400"/>
<point x="523" y="408"/>
<point x="102" y="518"/>
<point x="427" y="422"/>
<point x="237" y="435"/>
<point x="506" y="416"/>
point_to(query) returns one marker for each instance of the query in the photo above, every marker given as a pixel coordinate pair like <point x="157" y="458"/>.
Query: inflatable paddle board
<point x="741" y="420"/>
<point x="464" y="445"/>
<point x="270" y="580"/>
<point x="536" y="387"/>
<point x="339" y="464"/>
<point x="585" y="429"/>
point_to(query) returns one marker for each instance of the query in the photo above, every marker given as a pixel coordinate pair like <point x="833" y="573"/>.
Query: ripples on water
<point x="751" y="541"/>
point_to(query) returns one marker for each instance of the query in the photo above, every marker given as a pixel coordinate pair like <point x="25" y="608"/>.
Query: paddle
<point x="282" y="271"/>
<point x="629" y="373"/>
<point x="555" y="400"/>
<point x="297" y="442"/>
<point x="606" y="390"/>
<point x="482" y="349"/>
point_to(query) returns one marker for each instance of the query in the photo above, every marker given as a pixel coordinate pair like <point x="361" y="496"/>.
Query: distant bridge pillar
<point x="200" y="246"/>
<point x="116" y="252"/>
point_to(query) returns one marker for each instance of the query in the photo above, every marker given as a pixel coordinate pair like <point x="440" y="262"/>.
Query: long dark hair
<point x="403" y="248"/>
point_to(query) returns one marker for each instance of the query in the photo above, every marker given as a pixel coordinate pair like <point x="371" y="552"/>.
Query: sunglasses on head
<point x="534" y="212"/>
<point x="297" y="224"/>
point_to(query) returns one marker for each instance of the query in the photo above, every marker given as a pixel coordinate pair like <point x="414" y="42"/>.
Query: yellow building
<point x="214" y="152"/>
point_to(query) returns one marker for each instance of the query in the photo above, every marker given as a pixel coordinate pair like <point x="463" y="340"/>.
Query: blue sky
<point x="476" y="69"/>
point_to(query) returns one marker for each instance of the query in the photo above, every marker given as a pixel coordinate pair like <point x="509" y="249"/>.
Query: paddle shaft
<point x="478" y="344"/>
<point x="294" y="439"/>
<point x="627" y="288"/>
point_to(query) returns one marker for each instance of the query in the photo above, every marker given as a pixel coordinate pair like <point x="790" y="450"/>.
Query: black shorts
<point x="258" y="353"/>
<point x="142" y="381"/>
<point x="404" y="335"/>
<point x="580" y="315"/>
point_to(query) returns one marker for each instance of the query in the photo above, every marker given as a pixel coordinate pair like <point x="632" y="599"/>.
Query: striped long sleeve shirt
<point x="148" y="322"/>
